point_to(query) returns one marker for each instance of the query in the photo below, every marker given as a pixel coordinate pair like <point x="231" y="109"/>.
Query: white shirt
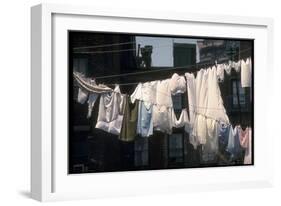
<point x="145" y="92"/>
<point x="163" y="93"/>
<point x="111" y="111"/>
<point x="246" y="73"/>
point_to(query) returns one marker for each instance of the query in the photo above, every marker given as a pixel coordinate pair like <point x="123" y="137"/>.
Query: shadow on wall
<point x="25" y="193"/>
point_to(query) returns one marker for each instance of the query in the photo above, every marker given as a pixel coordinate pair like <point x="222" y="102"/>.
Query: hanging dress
<point x="200" y="124"/>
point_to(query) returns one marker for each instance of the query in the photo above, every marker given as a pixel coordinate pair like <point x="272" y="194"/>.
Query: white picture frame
<point x="49" y="178"/>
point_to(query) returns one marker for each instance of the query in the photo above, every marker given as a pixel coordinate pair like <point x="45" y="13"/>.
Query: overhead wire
<point x="115" y="50"/>
<point x="117" y="44"/>
<point x="104" y="45"/>
<point x="161" y="70"/>
<point x="195" y="107"/>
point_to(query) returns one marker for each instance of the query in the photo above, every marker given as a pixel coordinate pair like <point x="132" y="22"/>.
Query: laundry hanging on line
<point x="165" y="89"/>
<point x="201" y="120"/>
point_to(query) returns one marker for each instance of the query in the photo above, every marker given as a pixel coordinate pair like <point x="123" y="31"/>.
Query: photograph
<point x="155" y="102"/>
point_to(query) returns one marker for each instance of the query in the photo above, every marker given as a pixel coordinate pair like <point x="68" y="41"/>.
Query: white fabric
<point x="111" y="110"/>
<point x="88" y="89"/>
<point x="200" y="130"/>
<point x="90" y="85"/>
<point x="220" y="72"/>
<point x="231" y="64"/>
<point x="200" y="124"/>
<point x="215" y="109"/>
<point x="227" y="68"/>
<point x="192" y="103"/>
<point x="183" y="120"/>
<point x="137" y="94"/>
<point x="163" y="109"/>
<point x="209" y="109"/>
<point x="91" y="102"/>
<point x="162" y="119"/>
<point x="248" y="152"/>
<point x="237" y="66"/>
<point x="201" y="91"/>
<point x="231" y="140"/>
<point x="163" y="93"/>
<point x="191" y="93"/>
<point x="212" y="128"/>
<point x="145" y="92"/>
<point x="233" y="146"/>
<point x="177" y="84"/>
<point x="246" y="73"/>
<point x="145" y="120"/>
<point x="82" y="96"/>
<point x="210" y="149"/>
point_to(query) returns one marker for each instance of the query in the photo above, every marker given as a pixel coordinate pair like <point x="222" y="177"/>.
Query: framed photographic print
<point x="135" y="102"/>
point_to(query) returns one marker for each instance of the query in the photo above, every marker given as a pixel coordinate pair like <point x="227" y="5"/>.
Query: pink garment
<point x="245" y="137"/>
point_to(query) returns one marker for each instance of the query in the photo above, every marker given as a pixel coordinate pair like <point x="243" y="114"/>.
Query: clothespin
<point x="93" y="81"/>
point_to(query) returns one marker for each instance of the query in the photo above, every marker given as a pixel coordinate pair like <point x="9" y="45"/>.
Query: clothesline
<point x="193" y="106"/>
<point x="87" y="85"/>
<point x="83" y="83"/>
<point x="166" y="69"/>
<point x="115" y="44"/>
<point x="117" y="50"/>
<point x="104" y="45"/>
<point x="103" y="52"/>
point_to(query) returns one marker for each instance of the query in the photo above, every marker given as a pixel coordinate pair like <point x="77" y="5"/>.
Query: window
<point x="238" y="95"/>
<point x="80" y="65"/>
<point x="141" y="152"/>
<point x="176" y="148"/>
<point x="184" y="54"/>
<point x="177" y="101"/>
